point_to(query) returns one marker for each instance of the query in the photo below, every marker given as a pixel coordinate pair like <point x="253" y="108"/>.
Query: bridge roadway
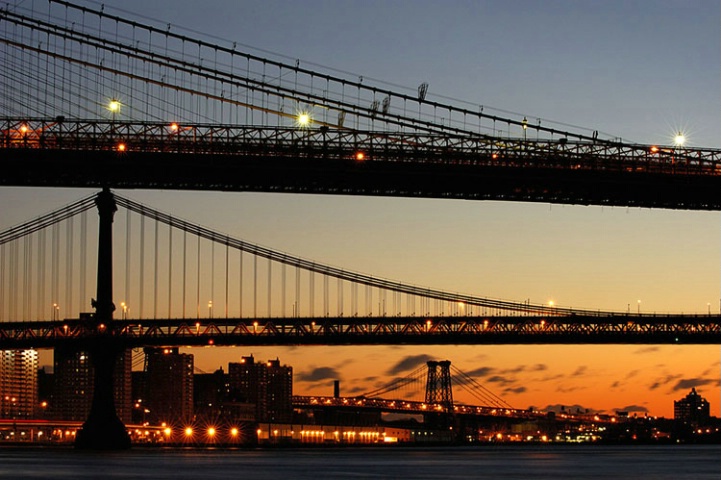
<point x="472" y="330"/>
<point x="322" y="161"/>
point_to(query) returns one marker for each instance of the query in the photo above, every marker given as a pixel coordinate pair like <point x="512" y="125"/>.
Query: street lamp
<point x="55" y="313"/>
<point x="680" y="139"/>
<point x="124" y="306"/>
<point x="210" y="309"/>
<point x="114" y="107"/>
<point x="638" y="310"/>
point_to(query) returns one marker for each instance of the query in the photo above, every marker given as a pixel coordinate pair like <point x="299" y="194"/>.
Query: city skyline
<point x="642" y="72"/>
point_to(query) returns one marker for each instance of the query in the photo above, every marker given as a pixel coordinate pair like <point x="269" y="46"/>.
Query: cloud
<point x="317" y="374"/>
<point x="646" y="350"/>
<point x="515" y="390"/>
<point x="539" y="367"/>
<point x="499" y="379"/>
<point x="616" y="384"/>
<point x="631" y="374"/>
<point x="481" y="372"/>
<point x="632" y="408"/>
<point x="663" y="381"/>
<point x="408" y="363"/>
<point x="689" y="383"/>
<point x="580" y="371"/>
<point x="517" y="369"/>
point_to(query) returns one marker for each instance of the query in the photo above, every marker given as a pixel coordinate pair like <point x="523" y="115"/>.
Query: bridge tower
<point x="438" y="384"/>
<point x="103" y="430"/>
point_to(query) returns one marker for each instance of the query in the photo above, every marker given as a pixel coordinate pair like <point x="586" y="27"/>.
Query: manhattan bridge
<point x="95" y="100"/>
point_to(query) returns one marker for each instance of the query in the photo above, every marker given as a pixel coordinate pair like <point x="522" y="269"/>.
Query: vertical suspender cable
<point x="40" y="277"/>
<point x="142" y="265"/>
<point x="2" y="281"/>
<point x="69" y="266"/>
<point x="83" y="260"/>
<point x="128" y="223"/>
<point x="270" y="265"/>
<point x="226" y="278"/>
<point x="185" y="268"/>
<point x="197" y="280"/>
<point x="240" y="286"/>
<point x="155" y="272"/>
<point x="255" y="286"/>
<point x="170" y="271"/>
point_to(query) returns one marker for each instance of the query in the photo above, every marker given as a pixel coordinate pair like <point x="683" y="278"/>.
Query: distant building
<point x="18" y="383"/>
<point x="169" y="383"/>
<point x="210" y="390"/>
<point x="73" y="376"/>
<point x="692" y="409"/>
<point x="269" y="386"/>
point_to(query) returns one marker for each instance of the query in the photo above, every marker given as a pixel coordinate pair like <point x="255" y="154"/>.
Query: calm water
<point x="671" y="462"/>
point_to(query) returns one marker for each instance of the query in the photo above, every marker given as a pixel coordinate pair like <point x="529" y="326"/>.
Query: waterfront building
<point x="18" y="384"/>
<point x="693" y="409"/>
<point x="169" y="383"/>
<point x="269" y="386"/>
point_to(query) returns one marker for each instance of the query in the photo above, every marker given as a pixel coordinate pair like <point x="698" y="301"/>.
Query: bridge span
<point x="475" y="330"/>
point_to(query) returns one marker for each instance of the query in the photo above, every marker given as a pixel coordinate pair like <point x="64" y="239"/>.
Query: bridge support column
<point x="103" y="430"/>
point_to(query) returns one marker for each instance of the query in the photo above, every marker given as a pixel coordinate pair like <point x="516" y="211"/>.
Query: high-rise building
<point x="692" y="409"/>
<point x="267" y="385"/>
<point x="74" y="376"/>
<point x="169" y="377"/>
<point x="18" y="383"/>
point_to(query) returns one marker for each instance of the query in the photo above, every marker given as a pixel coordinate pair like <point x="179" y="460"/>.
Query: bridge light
<point x="23" y="129"/>
<point x="114" y="105"/>
<point x="654" y="149"/>
<point x="679" y="139"/>
<point x="174" y="127"/>
<point x="121" y="147"/>
<point x="303" y="119"/>
<point x="360" y="156"/>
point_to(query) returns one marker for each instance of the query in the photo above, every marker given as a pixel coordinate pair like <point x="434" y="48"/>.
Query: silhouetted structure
<point x="18" y="383"/>
<point x="74" y="378"/>
<point x="693" y="409"/>
<point x="267" y="385"/>
<point x="169" y="377"/>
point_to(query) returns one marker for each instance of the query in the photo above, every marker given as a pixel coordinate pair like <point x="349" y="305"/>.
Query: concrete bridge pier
<point x="103" y="430"/>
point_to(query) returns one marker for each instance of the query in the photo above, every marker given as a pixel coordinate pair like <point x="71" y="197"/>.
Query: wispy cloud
<point x="481" y="372"/>
<point x="317" y="374"/>
<point x="643" y="350"/>
<point x="515" y="390"/>
<point x="408" y="363"/>
<point x="663" y="381"/>
<point x="580" y="371"/>
<point x="688" y="383"/>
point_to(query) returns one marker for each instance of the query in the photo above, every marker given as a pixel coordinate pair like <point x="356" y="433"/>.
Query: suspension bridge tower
<point x="103" y="430"/>
<point x="439" y="392"/>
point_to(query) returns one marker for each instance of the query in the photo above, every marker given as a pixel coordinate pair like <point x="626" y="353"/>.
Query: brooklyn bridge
<point x="188" y="114"/>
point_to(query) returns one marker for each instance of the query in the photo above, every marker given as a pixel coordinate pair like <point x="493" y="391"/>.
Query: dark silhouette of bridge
<point x="191" y="114"/>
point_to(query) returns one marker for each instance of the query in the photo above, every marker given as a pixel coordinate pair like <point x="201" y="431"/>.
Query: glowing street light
<point x="210" y="309"/>
<point x="114" y="107"/>
<point x="680" y="139"/>
<point x="303" y="119"/>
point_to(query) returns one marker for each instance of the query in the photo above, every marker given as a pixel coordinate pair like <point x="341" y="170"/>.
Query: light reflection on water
<point x="544" y="462"/>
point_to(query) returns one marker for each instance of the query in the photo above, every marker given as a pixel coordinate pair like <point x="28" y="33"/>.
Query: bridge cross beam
<point x="103" y="430"/>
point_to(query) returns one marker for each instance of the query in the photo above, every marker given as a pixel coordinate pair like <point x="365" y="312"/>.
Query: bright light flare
<point x="122" y="147"/>
<point x="233" y="432"/>
<point x="360" y="156"/>
<point x="680" y="139"/>
<point x="114" y="105"/>
<point x="188" y="431"/>
<point x="303" y="119"/>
